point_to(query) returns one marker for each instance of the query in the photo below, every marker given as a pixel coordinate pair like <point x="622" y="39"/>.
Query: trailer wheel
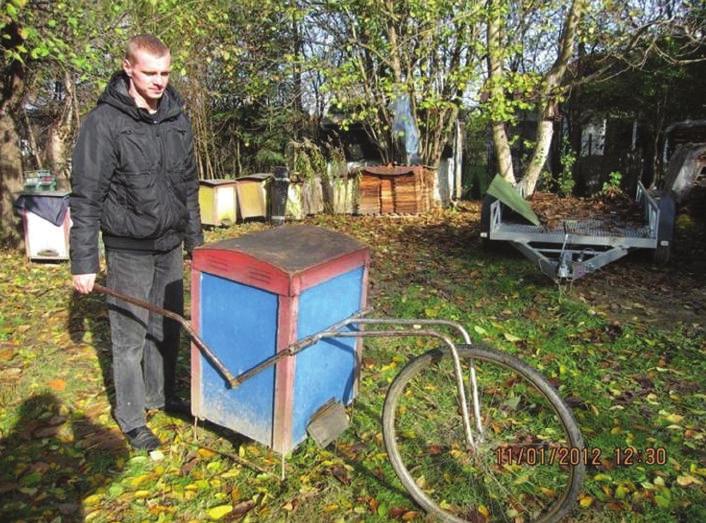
<point x="485" y="241"/>
<point x="662" y="254"/>
<point x="665" y="229"/>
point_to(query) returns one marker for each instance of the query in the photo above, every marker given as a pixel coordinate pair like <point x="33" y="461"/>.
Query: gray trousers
<point x="144" y="344"/>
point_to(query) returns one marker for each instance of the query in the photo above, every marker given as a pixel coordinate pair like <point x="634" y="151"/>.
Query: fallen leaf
<point x="56" y="420"/>
<point x="6" y="353"/>
<point x="220" y="511"/>
<point x="92" y="500"/>
<point x="341" y="474"/>
<point x="205" y="453"/>
<point x="139" y="480"/>
<point x="188" y="466"/>
<point x="13" y="373"/>
<point x="396" y="512"/>
<point x="480" y="330"/>
<point x="585" y="501"/>
<point x="511" y="337"/>
<point x="435" y="450"/>
<point x="57" y="385"/>
<point x="688" y="479"/>
<point x="47" y="432"/>
<point x="243" y="507"/>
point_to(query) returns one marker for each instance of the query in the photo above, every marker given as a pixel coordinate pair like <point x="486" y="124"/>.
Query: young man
<point x="134" y="178"/>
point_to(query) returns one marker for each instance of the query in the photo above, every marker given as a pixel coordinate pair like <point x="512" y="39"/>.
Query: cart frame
<point x="580" y="247"/>
<point x="396" y="327"/>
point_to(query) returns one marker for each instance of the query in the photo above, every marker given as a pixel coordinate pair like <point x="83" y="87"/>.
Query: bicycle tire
<point x="427" y="457"/>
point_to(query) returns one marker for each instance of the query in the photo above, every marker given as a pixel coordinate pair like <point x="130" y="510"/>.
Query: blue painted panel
<point x="327" y="369"/>
<point x="239" y="323"/>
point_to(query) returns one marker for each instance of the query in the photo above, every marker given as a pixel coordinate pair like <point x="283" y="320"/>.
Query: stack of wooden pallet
<point x="400" y="189"/>
<point x="369" y="194"/>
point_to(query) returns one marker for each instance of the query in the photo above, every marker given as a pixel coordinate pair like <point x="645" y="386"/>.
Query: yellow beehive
<point x="252" y="195"/>
<point x="218" y="202"/>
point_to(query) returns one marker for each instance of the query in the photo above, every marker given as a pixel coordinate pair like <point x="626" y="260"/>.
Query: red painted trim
<point x="332" y="268"/>
<point x="284" y="375"/>
<point x="364" y="290"/>
<point x="196" y="398"/>
<point x="285" y="371"/>
<point x="359" y="340"/>
<point x="242" y="268"/>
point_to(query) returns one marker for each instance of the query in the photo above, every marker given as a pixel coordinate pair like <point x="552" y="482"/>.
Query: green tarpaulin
<point x="507" y="194"/>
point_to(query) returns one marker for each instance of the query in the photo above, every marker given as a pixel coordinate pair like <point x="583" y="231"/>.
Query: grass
<point x="631" y="379"/>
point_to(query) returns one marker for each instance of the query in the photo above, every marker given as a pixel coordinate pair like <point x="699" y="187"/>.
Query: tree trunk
<point x="501" y="143"/>
<point x="503" y="154"/>
<point x="11" y="180"/>
<point x="58" y="147"/>
<point x="552" y="83"/>
<point x="545" y="131"/>
<point x="32" y="141"/>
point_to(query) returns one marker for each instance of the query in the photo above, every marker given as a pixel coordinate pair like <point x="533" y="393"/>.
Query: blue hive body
<point x="251" y="298"/>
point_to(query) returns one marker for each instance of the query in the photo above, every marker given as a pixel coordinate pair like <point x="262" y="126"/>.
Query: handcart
<point x="473" y="434"/>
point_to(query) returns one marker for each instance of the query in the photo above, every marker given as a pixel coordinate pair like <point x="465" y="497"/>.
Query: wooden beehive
<point x="218" y="202"/>
<point x="253" y="296"/>
<point x="46" y="221"/>
<point x="252" y="195"/>
<point x="400" y="189"/>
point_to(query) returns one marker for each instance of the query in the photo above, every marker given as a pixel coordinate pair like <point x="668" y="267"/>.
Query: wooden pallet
<point x="400" y="189"/>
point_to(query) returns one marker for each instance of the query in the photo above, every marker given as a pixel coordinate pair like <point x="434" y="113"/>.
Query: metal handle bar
<point x="210" y="355"/>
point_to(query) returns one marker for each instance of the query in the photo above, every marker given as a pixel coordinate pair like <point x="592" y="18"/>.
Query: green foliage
<point x="475" y="155"/>
<point x="64" y="36"/>
<point x="426" y="50"/>
<point x="266" y="159"/>
<point x="249" y="70"/>
<point x="305" y="160"/>
<point x="565" y="180"/>
<point x="612" y="185"/>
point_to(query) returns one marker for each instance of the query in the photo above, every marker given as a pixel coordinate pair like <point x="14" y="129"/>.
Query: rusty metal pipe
<point x="200" y="344"/>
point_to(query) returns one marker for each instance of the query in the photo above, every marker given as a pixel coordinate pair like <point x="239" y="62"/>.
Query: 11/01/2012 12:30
<point x="566" y="456"/>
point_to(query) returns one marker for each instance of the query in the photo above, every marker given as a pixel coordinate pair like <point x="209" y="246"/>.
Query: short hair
<point x="145" y="42"/>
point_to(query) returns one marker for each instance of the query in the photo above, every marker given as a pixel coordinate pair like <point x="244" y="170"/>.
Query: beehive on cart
<point x="253" y="296"/>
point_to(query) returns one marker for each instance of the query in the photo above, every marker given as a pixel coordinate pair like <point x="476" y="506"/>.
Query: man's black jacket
<point x="134" y="177"/>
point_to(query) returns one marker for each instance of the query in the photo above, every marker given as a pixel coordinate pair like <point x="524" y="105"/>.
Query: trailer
<point x="578" y="247"/>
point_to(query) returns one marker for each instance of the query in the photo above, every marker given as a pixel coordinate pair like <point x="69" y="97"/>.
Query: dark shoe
<point x="142" y="438"/>
<point x="177" y="406"/>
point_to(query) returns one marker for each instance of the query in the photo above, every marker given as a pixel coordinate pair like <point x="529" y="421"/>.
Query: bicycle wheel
<point x="524" y="469"/>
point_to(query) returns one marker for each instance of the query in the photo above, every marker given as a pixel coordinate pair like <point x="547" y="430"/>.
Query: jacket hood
<point x="116" y="94"/>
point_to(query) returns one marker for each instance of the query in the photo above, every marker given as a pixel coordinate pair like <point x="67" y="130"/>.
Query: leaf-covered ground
<point x="626" y="347"/>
